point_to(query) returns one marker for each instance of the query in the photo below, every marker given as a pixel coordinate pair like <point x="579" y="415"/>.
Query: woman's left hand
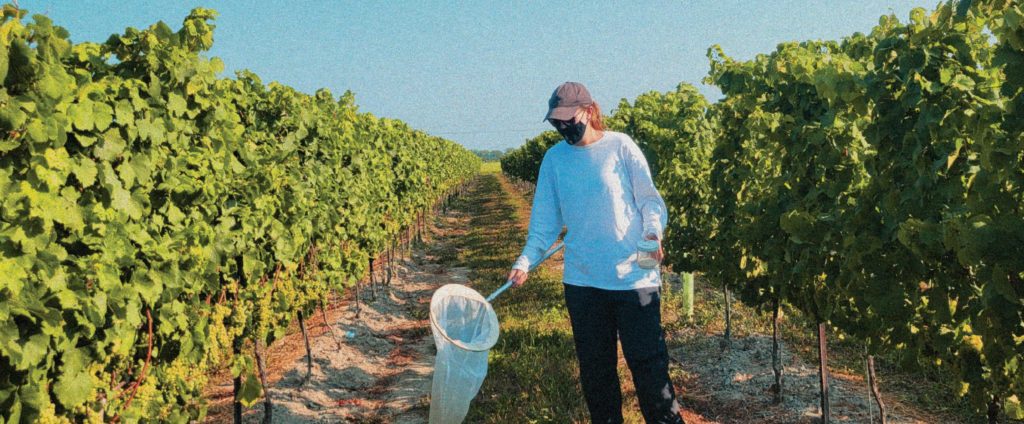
<point x="660" y="254"/>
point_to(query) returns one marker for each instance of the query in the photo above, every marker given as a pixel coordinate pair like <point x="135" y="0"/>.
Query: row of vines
<point x="158" y="222"/>
<point x="875" y="183"/>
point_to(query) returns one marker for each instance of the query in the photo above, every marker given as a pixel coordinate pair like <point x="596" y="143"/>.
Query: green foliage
<point x="154" y="215"/>
<point x="524" y="162"/>
<point x="490" y="155"/>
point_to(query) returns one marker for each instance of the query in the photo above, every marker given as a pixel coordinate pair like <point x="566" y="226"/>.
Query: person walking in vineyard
<point x="598" y="185"/>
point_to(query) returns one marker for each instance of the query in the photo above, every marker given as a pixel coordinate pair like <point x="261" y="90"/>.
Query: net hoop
<point x="458" y="290"/>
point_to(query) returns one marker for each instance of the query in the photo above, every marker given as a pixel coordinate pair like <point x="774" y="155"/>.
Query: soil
<point x="732" y="385"/>
<point x="377" y="370"/>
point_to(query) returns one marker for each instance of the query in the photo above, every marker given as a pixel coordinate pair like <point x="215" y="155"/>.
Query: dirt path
<point x="381" y="370"/>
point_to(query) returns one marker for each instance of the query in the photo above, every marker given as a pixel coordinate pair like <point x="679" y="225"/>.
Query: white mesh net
<point x="465" y="328"/>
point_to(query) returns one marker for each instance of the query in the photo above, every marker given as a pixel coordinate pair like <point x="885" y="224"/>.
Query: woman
<point x="598" y="185"/>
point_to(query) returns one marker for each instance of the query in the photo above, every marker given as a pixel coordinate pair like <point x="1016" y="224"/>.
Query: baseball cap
<point x="566" y="100"/>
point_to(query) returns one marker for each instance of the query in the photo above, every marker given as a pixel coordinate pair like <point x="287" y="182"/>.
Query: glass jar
<point x="645" y="251"/>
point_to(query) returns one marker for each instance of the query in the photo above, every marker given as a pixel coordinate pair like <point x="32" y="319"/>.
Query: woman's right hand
<point x="517" y="277"/>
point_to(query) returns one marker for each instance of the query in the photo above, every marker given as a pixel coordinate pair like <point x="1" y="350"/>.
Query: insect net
<point x="465" y="328"/>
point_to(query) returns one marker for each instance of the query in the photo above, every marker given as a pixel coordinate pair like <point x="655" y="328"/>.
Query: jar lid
<point x="647" y="245"/>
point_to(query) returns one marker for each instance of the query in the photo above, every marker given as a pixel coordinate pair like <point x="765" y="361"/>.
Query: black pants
<point x="597" y="316"/>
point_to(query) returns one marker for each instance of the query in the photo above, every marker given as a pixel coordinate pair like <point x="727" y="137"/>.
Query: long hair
<point x="596" y="120"/>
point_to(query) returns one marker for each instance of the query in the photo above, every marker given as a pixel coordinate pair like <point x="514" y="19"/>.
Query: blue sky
<point x="480" y="73"/>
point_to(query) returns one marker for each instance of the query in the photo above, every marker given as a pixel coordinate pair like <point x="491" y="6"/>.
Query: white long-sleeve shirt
<point x="604" y="196"/>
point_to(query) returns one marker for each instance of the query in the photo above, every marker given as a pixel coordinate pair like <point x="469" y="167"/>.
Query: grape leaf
<point x="85" y="170"/>
<point x="82" y="115"/>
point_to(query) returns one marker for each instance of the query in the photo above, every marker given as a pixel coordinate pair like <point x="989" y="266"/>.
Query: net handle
<point x="508" y="284"/>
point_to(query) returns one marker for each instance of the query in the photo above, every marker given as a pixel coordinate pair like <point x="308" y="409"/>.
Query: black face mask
<point x="572" y="130"/>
